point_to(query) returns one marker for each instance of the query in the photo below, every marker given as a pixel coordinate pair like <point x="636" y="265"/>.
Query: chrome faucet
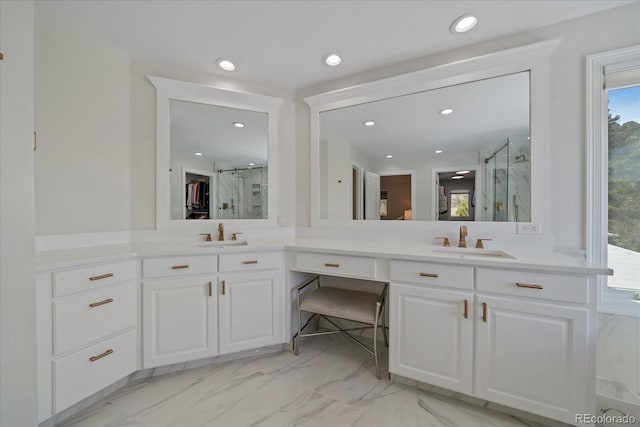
<point x="463" y="235"/>
<point x="220" y="232"/>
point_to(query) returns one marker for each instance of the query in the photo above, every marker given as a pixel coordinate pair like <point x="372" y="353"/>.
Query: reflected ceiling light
<point x="457" y="177"/>
<point x="252" y="164"/>
<point x="463" y="172"/>
<point x="332" y="59"/>
<point x="198" y="154"/>
<point x="238" y="124"/>
<point x="225" y="64"/>
<point x="369" y="123"/>
<point x="389" y="156"/>
<point x="463" y="24"/>
<point x="446" y="111"/>
<point x="438" y="151"/>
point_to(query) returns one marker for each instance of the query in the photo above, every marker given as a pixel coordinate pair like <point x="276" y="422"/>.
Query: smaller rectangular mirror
<point x="216" y="156"/>
<point x="218" y="162"/>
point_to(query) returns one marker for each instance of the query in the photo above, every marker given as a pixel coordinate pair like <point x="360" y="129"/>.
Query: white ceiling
<point x="283" y="42"/>
<point x="486" y="113"/>
<point x="209" y="129"/>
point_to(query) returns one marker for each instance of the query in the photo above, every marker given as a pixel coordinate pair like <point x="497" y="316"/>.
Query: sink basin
<point x="482" y="253"/>
<point x="223" y="244"/>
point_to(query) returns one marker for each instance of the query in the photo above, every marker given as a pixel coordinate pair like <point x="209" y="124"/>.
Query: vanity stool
<point x="357" y="306"/>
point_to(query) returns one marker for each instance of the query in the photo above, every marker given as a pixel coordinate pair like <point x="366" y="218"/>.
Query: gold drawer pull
<point x="249" y="262"/>
<point x="466" y="309"/>
<point x="180" y="267"/>
<point x="100" y="356"/>
<point x="526" y="285"/>
<point x="210" y="289"/>
<point x="435" y="276"/>
<point x="484" y="312"/>
<point x="104" y="276"/>
<point x="223" y="287"/>
<point x="96" y="304"/>
<point x="328" y="264"/>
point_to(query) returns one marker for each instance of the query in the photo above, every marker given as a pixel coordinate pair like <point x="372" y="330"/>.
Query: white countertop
<point x="523" y="258"/>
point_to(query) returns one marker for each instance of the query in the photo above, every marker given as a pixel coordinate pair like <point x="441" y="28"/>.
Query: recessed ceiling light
<point x="457" y="177"/>
<point x="198" y="154"/>
<point x="369" y="123"/>
<point x="332" y="59"/>
<point x="252" y="164"/>
<point x="389" y="156"/>
<point x="446" y="111"/>
<point x="238" y="124"/>
<point x="438" y="151"/>
<point x="463" y="172"/>
<point x="463" y="24"/>
<point x="225" y="64"/>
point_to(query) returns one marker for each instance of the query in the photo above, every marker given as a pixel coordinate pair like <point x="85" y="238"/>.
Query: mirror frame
<point x="532" y="57"/>
<point x="167" y="89"/>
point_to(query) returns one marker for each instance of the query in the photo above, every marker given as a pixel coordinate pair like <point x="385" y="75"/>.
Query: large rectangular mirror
<point x="387" y="154"/>
<point x="455" y="153"/>
<point x="216" y="155"/>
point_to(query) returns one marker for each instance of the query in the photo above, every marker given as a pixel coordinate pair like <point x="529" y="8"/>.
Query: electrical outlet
<point x="528" y="228"/>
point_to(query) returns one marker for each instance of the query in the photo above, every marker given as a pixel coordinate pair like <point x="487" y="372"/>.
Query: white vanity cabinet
<point x="533" y="350"/>
<point x="250" y="301"/>
<point x="532" y="332"/>
<point x="87" y="331"/>
<point x="431" y="327"/>
<point x="200" y="306"/>
<point x="179" y="309"/>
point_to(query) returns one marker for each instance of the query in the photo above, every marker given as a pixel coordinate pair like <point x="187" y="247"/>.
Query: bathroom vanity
<point x="518" y="331"/>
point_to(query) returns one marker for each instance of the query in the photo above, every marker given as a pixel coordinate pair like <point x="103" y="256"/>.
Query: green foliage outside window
<point x="624" y="183"/>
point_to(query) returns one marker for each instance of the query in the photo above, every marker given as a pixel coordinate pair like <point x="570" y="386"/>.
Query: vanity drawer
<point x="250" y="261"/>
<point x="341" y="265"/>
<point x="179" y="266"/>
<point x="81" y="319"/>
<point x="536" y="285"/>
<point x="87" y="371"/>
<point x="427" y="273"/>
<point x="93" y="276"/>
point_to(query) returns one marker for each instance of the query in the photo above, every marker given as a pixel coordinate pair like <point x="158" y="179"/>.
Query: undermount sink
<point x="483" y="253"/>
<point x="223" y="244"/>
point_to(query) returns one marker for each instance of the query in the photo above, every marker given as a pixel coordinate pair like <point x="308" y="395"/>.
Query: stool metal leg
<point x="375" y="339"/>
<point x="297" y="346"/>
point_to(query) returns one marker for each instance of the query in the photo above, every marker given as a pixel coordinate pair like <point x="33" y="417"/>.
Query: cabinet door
<point x="430" y="338"/>
<point x="533" y="356"/>
<point x="250" y="310"/>
<point x="180" y="320"/>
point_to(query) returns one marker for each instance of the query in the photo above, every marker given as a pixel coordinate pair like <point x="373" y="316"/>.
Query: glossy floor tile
<point x="331" y="383"/>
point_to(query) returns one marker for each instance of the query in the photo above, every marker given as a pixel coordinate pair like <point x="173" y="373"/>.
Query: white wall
<point x="82" y="118"/>
<point x="143" y="142"/>
<point x="18" y="388"/>
<point x="611" y="29"/>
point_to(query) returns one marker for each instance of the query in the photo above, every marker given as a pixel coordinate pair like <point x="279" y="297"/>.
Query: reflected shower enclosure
<point x="507" y="175"/>
<point x="242" y="193"/>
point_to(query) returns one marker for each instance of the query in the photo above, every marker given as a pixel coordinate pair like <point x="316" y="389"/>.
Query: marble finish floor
<point x="331" y="383"/>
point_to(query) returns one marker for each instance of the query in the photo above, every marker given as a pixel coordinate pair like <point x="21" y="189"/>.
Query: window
<point x="623" y="131"/>
<point x="613" y="195"/>
<point x="460" y="205"/>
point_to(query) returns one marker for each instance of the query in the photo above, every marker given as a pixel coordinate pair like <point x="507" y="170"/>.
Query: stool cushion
<point x="344" y="303"/>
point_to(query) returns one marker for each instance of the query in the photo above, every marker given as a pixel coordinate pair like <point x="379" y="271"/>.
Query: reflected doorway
<point x="456" y="195"/>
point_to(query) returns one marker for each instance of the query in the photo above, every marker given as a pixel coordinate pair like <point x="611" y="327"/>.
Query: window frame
<point x="616" y="301"/>
<point x="463" y="192"/>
